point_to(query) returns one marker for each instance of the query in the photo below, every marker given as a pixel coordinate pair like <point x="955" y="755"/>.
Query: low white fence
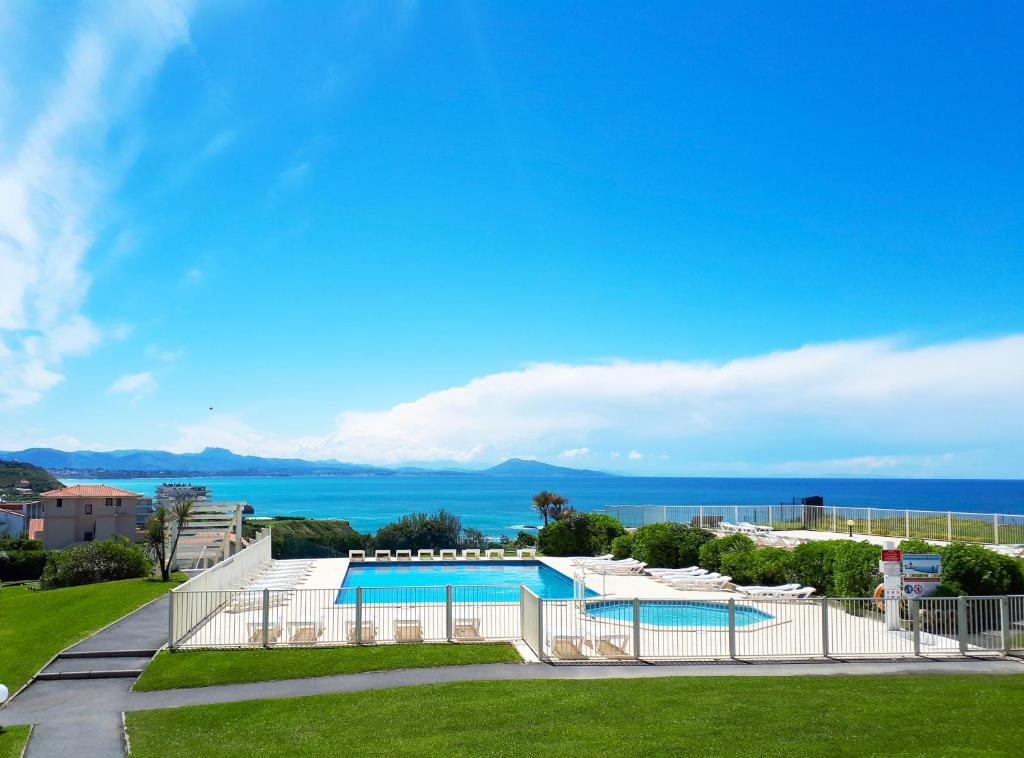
<point x="601" y="628"/>
<point x="202" y="595"/>
<point x="951" y="526"/>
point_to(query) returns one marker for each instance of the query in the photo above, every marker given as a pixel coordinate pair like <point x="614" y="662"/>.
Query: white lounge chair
<point x="424" y="555"/>
<point x="627" y="566"/>
<point x="746" y="526"/>
<point x="800" y="593"/>
<point x="449" y="554"/>
<point x="408" y="630"/>
<point x="760" y="590"/>
<point x="403" y="555"/>
<point x="699" y="582"/>
<point x="369" y="632"/>
<point x="524" y="553"/>
<point x="727" y="526"/>
<point x="466" y="629"/>
<point x="591" y="559"/>
<point x="356" y="555"/>
<point x="255" y="630"/>
<point x="471" y="554"/>
<point x="495" y="554"/>
<point x="305" y="631"/>
<point x="382" y="555"/>
<point x="609" y="645"/>
<point x="567" y="647"/>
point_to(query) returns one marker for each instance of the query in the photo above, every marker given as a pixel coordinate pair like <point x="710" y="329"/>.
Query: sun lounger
<point x="255" y="629"/>
<point x="466" y="629"/>
<point x="305" y="631"/>
<point x="408" y="630"/>
<point x="382" y="555"/>
<point x="526" y="552"/>
<point x="746" y="526"/>
<point x="699" y="582"/>
<point x="471" y="554"/>
<point x="610" y="645"/>
<point x="495" y="554"/>
<point x="356" y="555"/>
<point x="801" y="593"/>
<point x="369" y="632"/>
<point x="424" y="555"/>
<point x="403" y="555"/>
<point x="727" y="526"/>
<point x="449" y="554"/>
<point x="590" y="559"/>
<point x="567" y="647"/>
<point x="756" y="590"/>
<point x="254" y="601"/>
<point x="624" y="567"/>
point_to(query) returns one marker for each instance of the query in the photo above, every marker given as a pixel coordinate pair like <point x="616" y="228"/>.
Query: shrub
<point x="603" y="530"/>
<point x="103" y="561"/>
<point x="839" y="568"/>
<point x="579" y="534"/>
<point x="669" y="545"/>
<point x="769" y="565"/>
<point x="19" y="543"/>
<point x="712" y="552"/>
<point x="16" y="565"/>
<point x="525" y="539"/>
<point x="976" y="570"/>
<point x="622" y="546"/>
<point x="415" y="531"/>
<point x="912" y="547"/>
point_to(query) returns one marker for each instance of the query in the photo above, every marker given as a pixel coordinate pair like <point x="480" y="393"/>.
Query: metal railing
<point x="601" y="628"/>
<point x="357" y="615"/>
<point x="950" y="526"/>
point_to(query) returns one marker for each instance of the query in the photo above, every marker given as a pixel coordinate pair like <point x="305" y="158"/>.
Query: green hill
<point x="12" y="472"/>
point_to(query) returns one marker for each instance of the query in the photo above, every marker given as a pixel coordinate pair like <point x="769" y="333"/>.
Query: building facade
<point x="170" y="493"/>
<point x="82" y="513"/>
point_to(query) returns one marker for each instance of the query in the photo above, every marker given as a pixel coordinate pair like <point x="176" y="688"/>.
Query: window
<point x="119" y="502"/>
<point x="88" y="536"/>
<point x="110" y="501"/>
<point x="88" y="509"/>
<point x="60" y="502"/>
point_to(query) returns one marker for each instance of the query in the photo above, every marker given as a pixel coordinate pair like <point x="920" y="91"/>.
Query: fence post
<point x="833" y="518"/>
<point x="448" y="612"/>
<point x="636" y="628"/>
<point x="770" y="522"/>
<point x="915" y="623"/>
<point x="949" y="526"/>
<point x="995" y="528"/>
<point x="824" y="627"/>
<point x="732" y="627"/>
<point x="664" y="513"/>
<point x="736" y="514"/>
<point x="906" y="519"/>
<point x="701" y="517"/>
<point x="540" y="627"/>
<point x="170" y="621"/>
<point x="359" y="615"/>
<point x="1004" y="623"/>
<point x="961" y="623"/>
<point x="266" y="618"/>
<point x="869" y="522"/>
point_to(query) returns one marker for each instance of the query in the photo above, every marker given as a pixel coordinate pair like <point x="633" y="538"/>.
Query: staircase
<point x="96" y="664"/>
<point x="212" y="534"/>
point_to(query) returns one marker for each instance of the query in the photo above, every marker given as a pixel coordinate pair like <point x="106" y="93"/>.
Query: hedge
<point x="712" y="552"/>
<point x="101" y="561"/>
<point x="16" y="565"/>
<point x="669" y="545"/>
<point x="580" y="534"/>
<point x="767" y="566"/>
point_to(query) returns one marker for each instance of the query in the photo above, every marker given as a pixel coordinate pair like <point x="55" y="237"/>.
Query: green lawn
<point x="36" y="625"/>
<point x="12" y="741"/>
<point x="201" y="668"/>
<point x="911" y="715"/>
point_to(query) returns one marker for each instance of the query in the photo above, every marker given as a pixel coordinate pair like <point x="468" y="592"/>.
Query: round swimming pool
<point x="675" y="613"/>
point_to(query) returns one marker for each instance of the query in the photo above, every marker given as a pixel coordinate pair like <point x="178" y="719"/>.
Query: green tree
<point x="549" y="504"/>
<point x="163" y="530"/>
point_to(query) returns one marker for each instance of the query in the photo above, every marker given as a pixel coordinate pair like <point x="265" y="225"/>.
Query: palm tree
<point x="549" y="504"/>
<point x="164" y="527"/>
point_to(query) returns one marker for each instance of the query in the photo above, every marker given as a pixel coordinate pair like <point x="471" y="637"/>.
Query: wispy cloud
<point x="576" y="452"/>
<point x="635" y="455"/>
<point x="54" y="182"/>
<point x="160" y="354"/>
<point x="137" y="385"/>
<point x="193" y="276"/>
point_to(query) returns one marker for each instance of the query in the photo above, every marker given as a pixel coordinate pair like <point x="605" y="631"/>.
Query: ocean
<point x="499" y="505"/>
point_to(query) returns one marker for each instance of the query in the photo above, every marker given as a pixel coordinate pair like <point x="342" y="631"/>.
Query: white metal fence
<point x="600" y="628"/>
<point x="990" y="528"/>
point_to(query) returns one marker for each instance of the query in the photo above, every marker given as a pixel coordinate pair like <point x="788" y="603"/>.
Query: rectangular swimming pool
<point x="425" y="582"/>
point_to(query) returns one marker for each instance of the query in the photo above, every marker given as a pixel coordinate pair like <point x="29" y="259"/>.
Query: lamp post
<point x="849" y="525"/>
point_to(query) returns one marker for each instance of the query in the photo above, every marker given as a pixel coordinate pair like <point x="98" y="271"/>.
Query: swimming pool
<point x="425" y="582"/>
<point x="675" y="613"/>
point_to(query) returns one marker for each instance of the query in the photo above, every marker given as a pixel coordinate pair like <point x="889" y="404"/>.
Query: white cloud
<point x="869" y="394"/>
<point x="615" y="454"/>
<point x="136" y="385"/>
<point x="160" y="354"/>
<point x="194" y="276"/>
<point x="635" y="455"/>
<point x="575" y="452"/>
<point x="53" y="182"/>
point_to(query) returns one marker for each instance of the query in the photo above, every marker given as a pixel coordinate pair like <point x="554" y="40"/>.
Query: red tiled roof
<point x="90" y="490"/>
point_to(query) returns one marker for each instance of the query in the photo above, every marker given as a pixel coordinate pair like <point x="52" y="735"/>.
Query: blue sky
<point x="656" y="238"/>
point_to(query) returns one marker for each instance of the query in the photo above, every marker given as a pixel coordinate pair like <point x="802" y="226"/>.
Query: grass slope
<point x="739" y="716"/>
<point x="202" y="668"/>
<point x="36" y="625"/>
<point x="13" y="740"/>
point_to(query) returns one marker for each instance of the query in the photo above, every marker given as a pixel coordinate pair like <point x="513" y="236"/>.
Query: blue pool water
<point x="675" y="613"/>
<point x="486" y="581"/>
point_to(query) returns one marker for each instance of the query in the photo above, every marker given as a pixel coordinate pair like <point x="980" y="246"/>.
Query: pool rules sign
<point x="892" y="573"/>
<point x="921" y="574"/>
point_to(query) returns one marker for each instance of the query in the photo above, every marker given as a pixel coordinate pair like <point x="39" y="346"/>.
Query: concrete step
<point x="62" y="667"/>
<point x="108" y="653"/>
<point x="49" y="676"/>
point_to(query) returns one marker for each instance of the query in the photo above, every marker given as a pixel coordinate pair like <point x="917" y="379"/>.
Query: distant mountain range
<point x="217" y="461"/>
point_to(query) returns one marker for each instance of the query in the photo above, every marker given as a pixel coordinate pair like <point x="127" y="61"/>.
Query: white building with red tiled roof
<point x="82" y="513"/>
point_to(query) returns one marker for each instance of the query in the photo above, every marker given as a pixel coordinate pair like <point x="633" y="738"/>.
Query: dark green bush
<point x="579" y="534"/>
<point x="415" y="531"/>
<point x="769" y="565"/>
<point x="524" y="539"/>
<point x="711" y="552"/>
<point x="622" y="546"/>
<point x="602" y="529"/>
<point x="19" y="543"/>
<point x="102" y="561"/>
<point x="838" y="568"/>
<point x="912" y="547"/>
<point x="16" y="565"/>
<point x="976" y="570"/>
<point x="669" y="545"/>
